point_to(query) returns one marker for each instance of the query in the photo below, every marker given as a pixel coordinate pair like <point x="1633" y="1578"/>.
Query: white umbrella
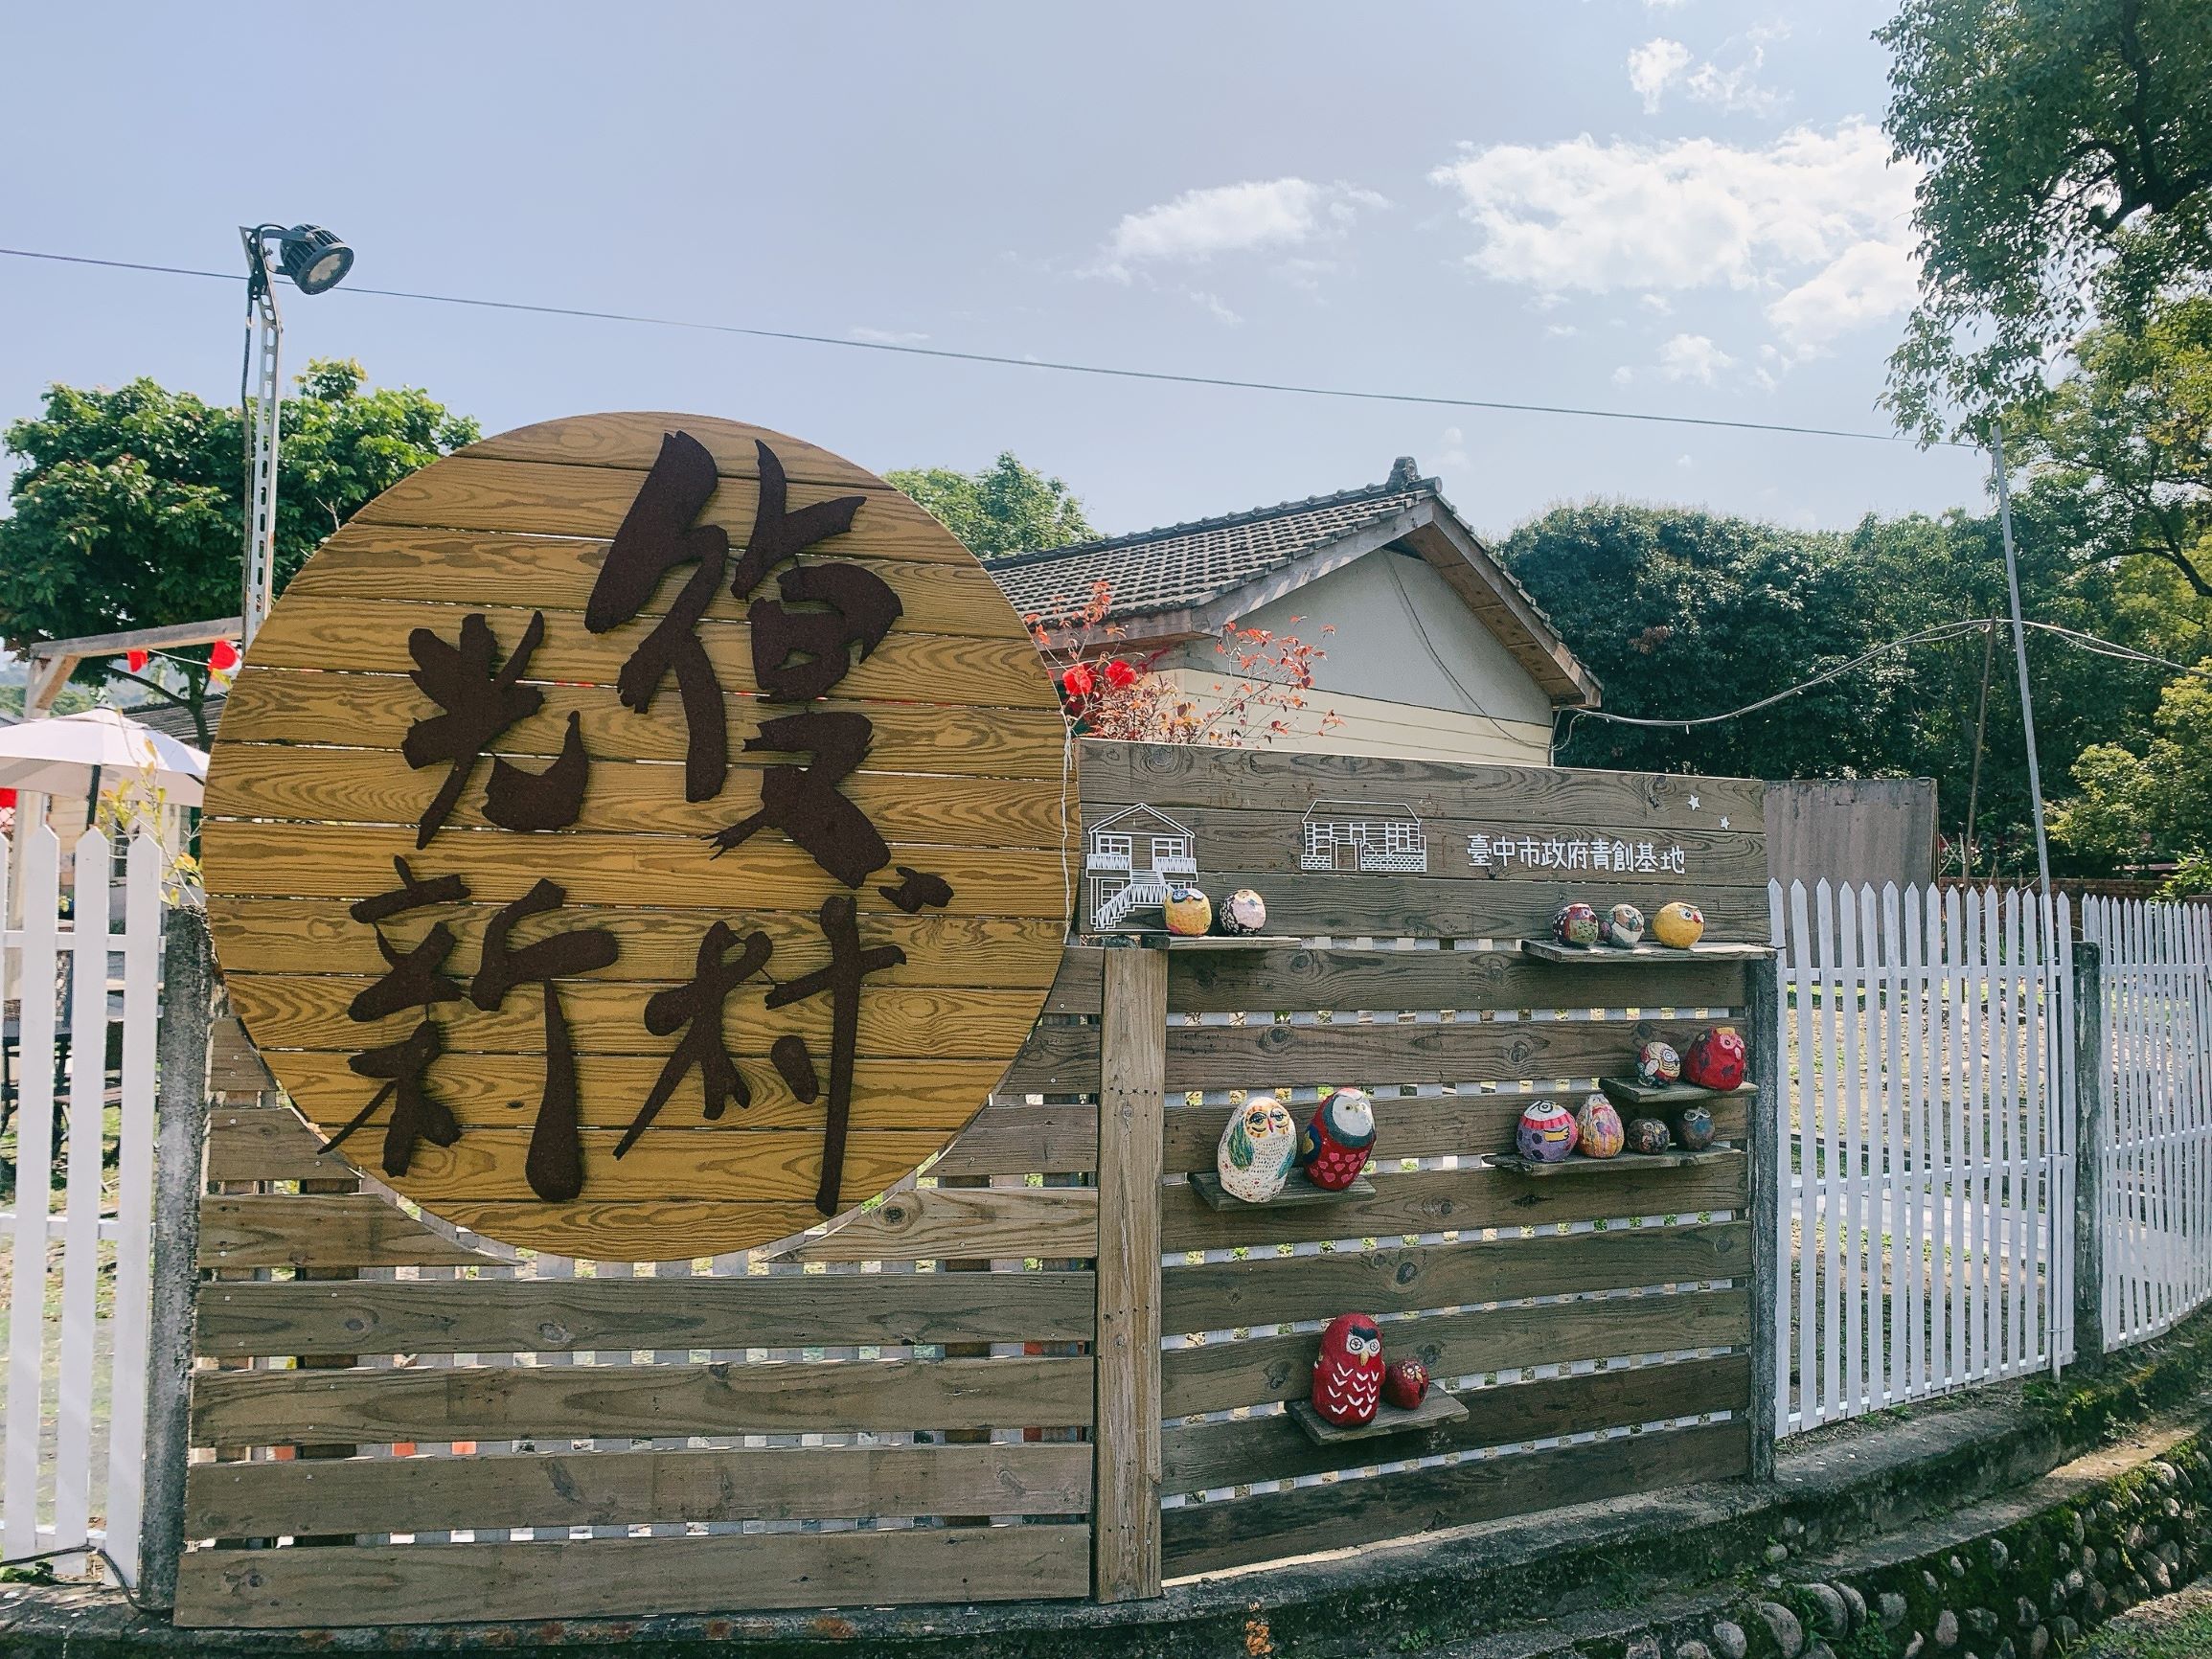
<point x="63" y="755"/>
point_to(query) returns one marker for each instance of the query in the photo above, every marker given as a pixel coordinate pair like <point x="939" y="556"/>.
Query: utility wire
<point x="947" y="353"/>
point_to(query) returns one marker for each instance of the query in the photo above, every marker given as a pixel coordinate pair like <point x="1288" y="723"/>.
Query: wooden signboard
<point x="640" y="836"/>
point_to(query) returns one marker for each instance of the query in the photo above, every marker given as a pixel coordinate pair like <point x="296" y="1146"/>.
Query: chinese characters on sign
<point x="1503" y="850"/>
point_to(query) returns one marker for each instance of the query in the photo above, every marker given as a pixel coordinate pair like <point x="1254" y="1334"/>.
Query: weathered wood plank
<point x="625" y="1315"/>
<point x="1206" y="1537"/>
<point x="1242" y="1451"/>
<point x="1455" y="1200"/>
<point x="631" y="439"/>
<point x="257" y="1143"/>
<point x="1125" y="1518"/>
<point x="1410" y="1125"/>
<point x="528" y="1403"/>
<point x="232" y="1065"/>
<point x="1020" y="1140"/>
<point x="438" y="1583"/>
<point x="1282" y="1289"/>
<point x="1294" y="979"/>
<point x="357" y="1230"/>
<point x="1368" y="1054"/>
<point x="1224" y="1375"/>
<point x="1169" y="775"/>
<point x="282" y="1499"/>
<point x="354" y="710"/>
<point x="1058" y="1058"/>
<point x="930" y="1223"/>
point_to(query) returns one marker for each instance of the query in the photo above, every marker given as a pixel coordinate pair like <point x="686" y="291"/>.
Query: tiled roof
<point x="1181" y="565"/>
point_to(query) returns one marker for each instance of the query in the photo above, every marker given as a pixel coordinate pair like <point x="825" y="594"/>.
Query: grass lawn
<point x="2175" y="1627"/>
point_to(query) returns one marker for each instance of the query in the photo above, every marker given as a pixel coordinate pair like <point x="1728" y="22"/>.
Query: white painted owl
<point x="1256" y="1150"/>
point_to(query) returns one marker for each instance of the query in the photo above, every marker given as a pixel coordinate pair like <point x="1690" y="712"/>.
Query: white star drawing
<point x="1693" y="803"/>
<point x="1723" y="821"/>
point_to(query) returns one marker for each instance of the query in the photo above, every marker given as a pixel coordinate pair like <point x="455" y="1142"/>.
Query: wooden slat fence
<point x="2156" y="1189"/>
<point x="81" y="1010"/>
<point x="1927" y="1167"/>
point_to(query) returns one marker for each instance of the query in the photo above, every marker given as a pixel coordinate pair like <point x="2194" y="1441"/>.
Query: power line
<point x="947" y="353"/>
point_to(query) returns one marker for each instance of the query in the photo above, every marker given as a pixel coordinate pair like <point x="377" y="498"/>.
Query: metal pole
<point x="2021" y="655"/>
<point x="264" y="335"/>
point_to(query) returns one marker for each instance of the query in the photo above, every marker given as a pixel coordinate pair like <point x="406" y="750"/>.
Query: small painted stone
<point x="1257" y="1149"/>
<point x="1405" y="1383"/>
<point x="1678" y="924"/>
<point x="1190" y="912"/>
<point x="1623" y="927"/>
<point x="1657" y="1064"/>
<point x="1334" y="1149"/>
<point x="1547" y="1132"/>
<point x="1648" y="1135"/>
<point x="1716" y="1058"/>
<point x="1577" y="924"/>
<point x="1598" y="1128"/>
<point x="1243" y="911"/>
<point x="1694" y="1128"/>
<point x="1347" y="1374"/>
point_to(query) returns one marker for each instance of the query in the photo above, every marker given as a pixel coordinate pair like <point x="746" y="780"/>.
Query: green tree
<point x="129" y="504"/>
<point x="1006" y="508"/>
<point x="2067" y="147"/>
<point x="2153" y="803"/>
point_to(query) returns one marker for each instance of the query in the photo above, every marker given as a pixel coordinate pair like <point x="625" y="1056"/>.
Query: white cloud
<point x="1693" y="358"/>
<point x="1819" y="222"/>
<point x="1231" y="218"/>
<point x="1662" y="4"/>
<point x="1655" y="66"/>
<point x="1659" y="305"/>
<point x="1453" y="443"/>
<point x="886" y="336"/>
<point x="1559" y="331"/>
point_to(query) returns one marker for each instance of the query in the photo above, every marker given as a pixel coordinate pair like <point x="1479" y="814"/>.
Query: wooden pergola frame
<point x="53" y="661"/>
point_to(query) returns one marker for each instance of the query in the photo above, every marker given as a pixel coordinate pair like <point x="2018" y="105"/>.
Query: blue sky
<point x="1681" y="206"/>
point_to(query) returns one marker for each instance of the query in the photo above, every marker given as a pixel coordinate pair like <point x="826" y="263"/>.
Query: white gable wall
<point x="1410" y="672"/>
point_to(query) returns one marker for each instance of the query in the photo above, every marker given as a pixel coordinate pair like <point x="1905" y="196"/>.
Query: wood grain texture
<point x="1368" y="1054"/>
<point x="1206" y="1537"/>
<point x="631" y="439"/>
<point x="350" y="1231"/>
<point x="260" y="1500"/>
<point x="1243" y="1450"/>
<point x="603" y="1577"/>
<point x="930" y="1223"/>
<point x="1168" y="775"/>
<point x="1224" y="1375"/>
<point x="1007" y="1139"/>
<point x="1282" y="1289"/>
<point x="1125" y="1517"/>
<point x="1453" y="1201"/>
<point x="528" y="1403"/>
<point x="1296" y="978"/>
<point x="625" y="1315"/>
<point x="258" y="1142"/>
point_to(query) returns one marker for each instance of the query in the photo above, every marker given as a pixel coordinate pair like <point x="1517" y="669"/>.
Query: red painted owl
<point x="1716" y="1058"/>
<point x="1334" y="1146"/>
<point x="1348" y="1375"/>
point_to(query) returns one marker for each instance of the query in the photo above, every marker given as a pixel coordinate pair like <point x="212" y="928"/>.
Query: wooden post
<point x="1769" y="1257"/>
<point x="187" y="1002"/>
<point x="2088" y="1037"/>
<point x="1126" y="1425"/>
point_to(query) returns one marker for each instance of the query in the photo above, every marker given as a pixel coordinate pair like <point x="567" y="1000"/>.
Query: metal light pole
<point x="316" y="261"/>
<point x="2021" y="655"/>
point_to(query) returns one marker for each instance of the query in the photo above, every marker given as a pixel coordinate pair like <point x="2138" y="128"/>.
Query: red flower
<point x="1078" y="681"/>
<point x="1120" y="675"/>
<point x="136" y="661"/>
<point x="223" y="658"/>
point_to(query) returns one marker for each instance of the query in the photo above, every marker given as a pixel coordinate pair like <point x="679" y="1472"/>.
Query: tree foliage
<point x="2068" y="153"/>
<point x="128" y="507"/>
<point x="1006" y="508"/>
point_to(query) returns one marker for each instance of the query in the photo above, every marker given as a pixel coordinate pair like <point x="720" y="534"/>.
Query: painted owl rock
<point x="1657" y="1064"/>
<point x="1576" y="924"/>
<point x="1243" y="911"/>
<point x="1679" y="925"/>
<point x="1348" y="1375"/>
<point x="1190" y="912"/>
<point x="1648" y="1135"/>
<point x="1334" y="1146"/>
<point x="1405" y="1383"/>
<point x="1623" y="927"/>
<point x="1597" y="1130"/>
<point x="1547" y="1132"/>
<point x="1256" y="1150"/>
<point x="1716" y="1058"/>
<point x="1694" y="1128"/>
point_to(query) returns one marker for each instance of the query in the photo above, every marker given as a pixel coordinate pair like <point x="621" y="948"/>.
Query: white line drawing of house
<point x="1363" y="835"/>
<point x="1128" y="860"/>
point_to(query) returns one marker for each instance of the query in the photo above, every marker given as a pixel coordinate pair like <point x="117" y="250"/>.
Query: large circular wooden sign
<point x="639" y="836"/>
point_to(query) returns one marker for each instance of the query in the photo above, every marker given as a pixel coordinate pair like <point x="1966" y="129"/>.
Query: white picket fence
<point x="78" y="1296"/>
<point x="1926" y="1224"/>
<point x="2157" y="1187"/>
